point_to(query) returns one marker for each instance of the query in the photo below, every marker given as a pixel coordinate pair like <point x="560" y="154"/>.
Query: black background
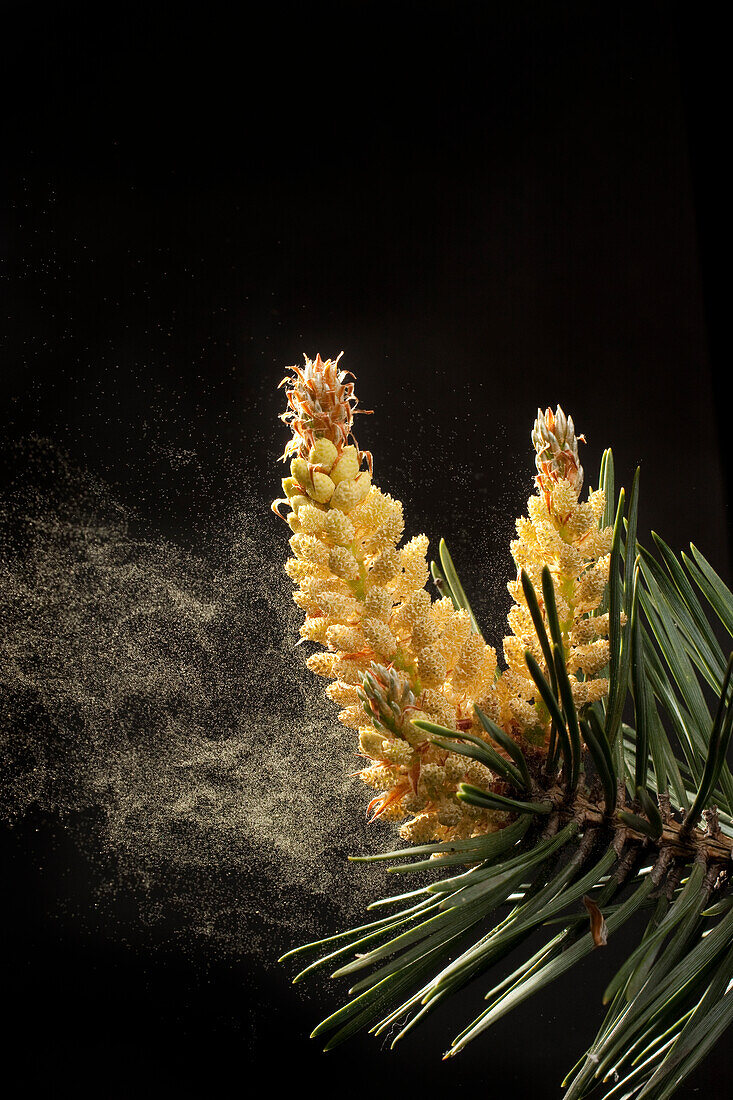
<point x="487" y="209"/>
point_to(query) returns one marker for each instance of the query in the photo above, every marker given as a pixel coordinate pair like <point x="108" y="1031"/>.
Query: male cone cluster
<point x="393" y="653"/>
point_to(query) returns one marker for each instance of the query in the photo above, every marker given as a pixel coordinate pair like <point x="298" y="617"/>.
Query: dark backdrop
<point x="488" y="207"/>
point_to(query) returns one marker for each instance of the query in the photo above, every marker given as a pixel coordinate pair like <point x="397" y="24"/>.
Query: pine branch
<point x="580" y="820"/>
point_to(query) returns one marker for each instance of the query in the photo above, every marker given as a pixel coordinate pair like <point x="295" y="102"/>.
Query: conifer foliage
<point x="528" y="802"/>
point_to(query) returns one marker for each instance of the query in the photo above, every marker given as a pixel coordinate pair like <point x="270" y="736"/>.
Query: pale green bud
<point x="323" y="453"/>
<point x="347" y="466"/>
